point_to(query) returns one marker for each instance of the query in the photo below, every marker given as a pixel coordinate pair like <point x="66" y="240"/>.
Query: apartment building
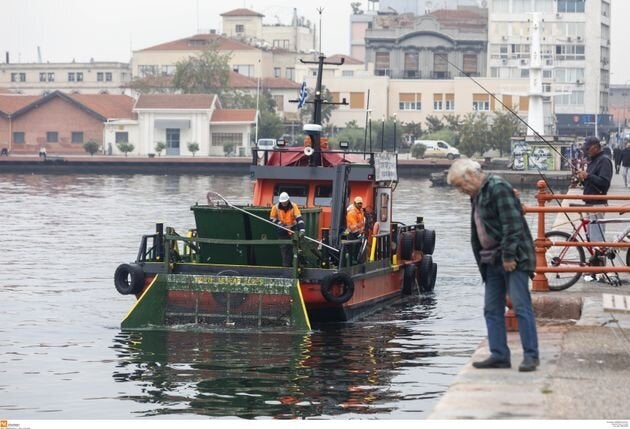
<point x="442" y="45"/>
<point x="575" y="50"/>
<point x="94" y="77"/>
<point x="247" y="25"/>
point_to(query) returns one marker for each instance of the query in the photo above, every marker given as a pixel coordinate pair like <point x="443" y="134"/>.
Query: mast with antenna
<point x="320" y="10"/>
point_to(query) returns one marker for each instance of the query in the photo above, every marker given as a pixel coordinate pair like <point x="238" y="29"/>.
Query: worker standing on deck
<point x="287" y="215"/>
<point x="504" y="251"/>
<point x="355" y="219"/>
<point x="355" y="225"/>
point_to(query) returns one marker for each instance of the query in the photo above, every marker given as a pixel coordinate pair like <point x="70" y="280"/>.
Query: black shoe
<point x="492" y="362"/>
<point x="529" y="364"/>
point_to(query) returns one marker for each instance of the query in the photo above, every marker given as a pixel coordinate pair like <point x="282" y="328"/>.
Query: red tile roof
<point x="200" y="42"/>
<point x="239" y="81"/>
<point x="13" y="103"/>
<point x="347" y="60"/>
<point x="234" y="115"/>
<point x="242" y="12"/>
<point x="110" y="106"/>
<point x="279" y="83"/>
<point x="175" y="101"/>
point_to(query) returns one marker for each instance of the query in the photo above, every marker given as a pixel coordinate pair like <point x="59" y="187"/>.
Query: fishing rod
<point x="211" y="194"/>
<point x="540" y="173"/>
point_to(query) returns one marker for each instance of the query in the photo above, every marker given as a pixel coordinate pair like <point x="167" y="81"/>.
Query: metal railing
<point x="542" y="243"/>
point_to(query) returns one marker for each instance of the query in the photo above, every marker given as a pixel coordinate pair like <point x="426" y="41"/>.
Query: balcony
<point x="440" y="75"/>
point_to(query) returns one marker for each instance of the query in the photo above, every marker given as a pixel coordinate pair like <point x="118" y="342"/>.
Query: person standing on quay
<point x="617" y="158"/>
<point x="504" y="251"/>
<point x="625" y="163"/>
<point x="596" y="180"/>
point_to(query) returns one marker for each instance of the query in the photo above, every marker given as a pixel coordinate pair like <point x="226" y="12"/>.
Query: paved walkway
<point x="585" y="361"/>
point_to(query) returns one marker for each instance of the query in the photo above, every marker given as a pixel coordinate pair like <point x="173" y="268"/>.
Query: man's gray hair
<point x="463" y="167"/>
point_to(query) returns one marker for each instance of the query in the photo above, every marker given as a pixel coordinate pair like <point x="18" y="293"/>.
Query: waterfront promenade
<point x="205" y="165"/>
<point x="585" y="360"/>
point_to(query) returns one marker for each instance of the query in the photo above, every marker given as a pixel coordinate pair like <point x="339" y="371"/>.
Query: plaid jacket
<point x="502" y="216"/>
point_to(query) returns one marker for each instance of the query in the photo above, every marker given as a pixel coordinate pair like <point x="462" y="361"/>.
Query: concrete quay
<point x="585" y="360"/>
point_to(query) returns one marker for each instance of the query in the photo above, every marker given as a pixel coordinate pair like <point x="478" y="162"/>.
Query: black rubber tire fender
<point x="419" y="239"/>
<point x="406" y="246"/>
<point x="428" y="241"/>
<point x="129" y="279"/>
<point x="424" y="273"/>
<point x="433" y="277"/>
<point x="328" y="288"/>
<point x="409" y="279"/>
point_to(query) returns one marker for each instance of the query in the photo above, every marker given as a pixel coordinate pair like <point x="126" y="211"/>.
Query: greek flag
<point x="302" y="96"/>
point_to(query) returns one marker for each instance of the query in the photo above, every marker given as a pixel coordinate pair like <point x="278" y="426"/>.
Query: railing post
<point x="540" y="283"/>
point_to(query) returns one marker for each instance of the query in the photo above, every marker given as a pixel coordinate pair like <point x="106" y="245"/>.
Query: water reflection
<point x="64" y="316"/>
<point x="339" y="370"/>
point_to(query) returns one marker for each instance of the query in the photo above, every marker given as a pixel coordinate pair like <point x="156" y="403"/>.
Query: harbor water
<point x="63" y="355"/>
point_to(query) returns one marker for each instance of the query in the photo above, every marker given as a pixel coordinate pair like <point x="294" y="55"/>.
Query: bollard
<point x="541" y="243"/>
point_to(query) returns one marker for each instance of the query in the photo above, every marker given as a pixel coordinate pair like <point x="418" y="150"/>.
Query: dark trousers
<point x="286" y="250"/>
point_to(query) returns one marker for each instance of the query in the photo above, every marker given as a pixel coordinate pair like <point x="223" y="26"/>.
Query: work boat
<point x="229" y="271"/>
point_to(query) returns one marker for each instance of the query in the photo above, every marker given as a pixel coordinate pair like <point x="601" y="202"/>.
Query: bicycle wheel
<point x="568" y="257"/>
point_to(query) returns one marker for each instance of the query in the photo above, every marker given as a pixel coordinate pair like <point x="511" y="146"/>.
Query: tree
<point x="445" y="134"/>
<point x="91" y="147"/>
<point x="454" y="123"/>
<point x="159" y="147"/>
<point x="356" y="8"/>
<point x="152" y="84"/>
<point x="353" y="135"/>
<point x="475" y="134"/>
<point x="413" y="131"/>
<point x="125" y="147"/>
<point x="193" y="147"/>
<point x="206" y="74"/>
<point x="418" y="150"/>
<point x="433" y="124"/>
<point x="269" y="125"/>
<point x="504" y="127"/>
<point x="384" y="135"/>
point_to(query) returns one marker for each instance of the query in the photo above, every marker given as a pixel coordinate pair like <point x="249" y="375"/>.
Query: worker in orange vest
<point x="355" y="219"/>
<point x="287" y="215"/>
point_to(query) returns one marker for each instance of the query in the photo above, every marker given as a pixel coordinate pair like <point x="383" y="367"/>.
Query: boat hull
<point x="213" y="304"/>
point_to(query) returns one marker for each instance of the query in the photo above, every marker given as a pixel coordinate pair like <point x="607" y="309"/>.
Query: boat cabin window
<point x="297" y="193"/>
<point x="323" y="195"/>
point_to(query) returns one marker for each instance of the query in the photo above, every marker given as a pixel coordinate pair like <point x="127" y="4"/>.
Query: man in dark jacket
<point x="504" y="250"/>
<point x="596" y="180"/>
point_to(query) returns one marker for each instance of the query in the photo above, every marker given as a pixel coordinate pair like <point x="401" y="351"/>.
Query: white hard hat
<point x="284" y="197"/>
<point x="358" y="200"/>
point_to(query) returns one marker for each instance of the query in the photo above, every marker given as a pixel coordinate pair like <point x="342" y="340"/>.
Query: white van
<point x="266" y="144"/>
<point x="438" y="149"/>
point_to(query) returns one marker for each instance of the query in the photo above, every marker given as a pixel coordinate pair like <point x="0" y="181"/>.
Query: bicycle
<point x="575" y="256"/>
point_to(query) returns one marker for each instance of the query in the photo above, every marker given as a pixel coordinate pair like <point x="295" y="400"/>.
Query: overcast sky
<point x="108" y="30"/>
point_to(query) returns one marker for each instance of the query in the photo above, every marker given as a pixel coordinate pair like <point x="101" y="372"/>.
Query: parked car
<point x="266" y="144"/>
<point x="438" y="149"/>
